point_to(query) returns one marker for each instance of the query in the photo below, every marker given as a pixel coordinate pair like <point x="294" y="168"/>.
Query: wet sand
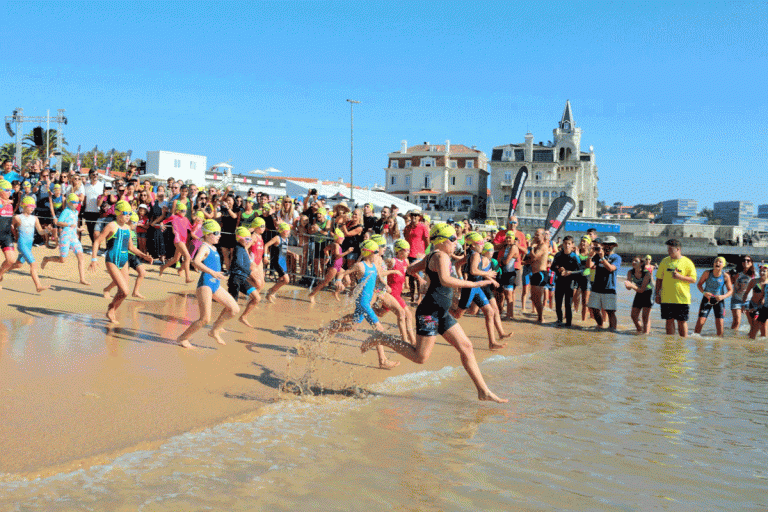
<point x="75" y="391"/>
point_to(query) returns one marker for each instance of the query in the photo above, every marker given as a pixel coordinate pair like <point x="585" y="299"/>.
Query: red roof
<point x="459" y="193"/>
<point x="423" y="192"/>
<point x="398" y="192"/>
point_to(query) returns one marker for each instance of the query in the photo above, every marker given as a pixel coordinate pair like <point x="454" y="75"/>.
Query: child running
<point x="478" y="268"/>
<point x="256" y="250"/>
<point x="387" y="301"/>
<point x="508" y="256"/>
<point x="134" y="262"/>
<point x="25" y="225"/>
<point x="119" y="246"/>
<point x="181" y="228"/>
<point x="366" y="272"/>
<point x="240" y="270"/>
<point x="209" y="288"/>
<point x="433" y="316"/>
<point x="69" y="238"/>
<point x="278" y="259"/>
<point x="335" y="254"/>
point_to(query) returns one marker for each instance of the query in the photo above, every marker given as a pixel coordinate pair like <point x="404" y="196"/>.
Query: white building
<point x="556" y="168"/>
<point x="180" y="166"/>
<point x="447" y="178"/>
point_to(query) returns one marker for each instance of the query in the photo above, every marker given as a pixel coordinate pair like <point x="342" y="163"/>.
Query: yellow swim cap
<point x="369" y="247"/>
<point x="181" y="207"/>
<point x="402" y="245"/>
<point x="441" y="230"/>
<point x="123" y="206"/>
<point x="510" y="234"/>
<point x="6" y="185"/>
<point x="379" y="239"/>
<point x="258" y="222"/>
<point x="200" y="215"/>
<point x="322" y="211"/>
<point x="134" y="217"/>
<point x="28" y="201"/>
<point x="283" y="226"/>
<point x="242" y="232"/>
<point x="73" y="198"/>
<point x="338" y="234"/>
<point x="426" y="218"/>
<point x="472" y="237"/>
<point x="211" y="226"/>
<point x="57" y="186"/>
<point x="487" y="247"/>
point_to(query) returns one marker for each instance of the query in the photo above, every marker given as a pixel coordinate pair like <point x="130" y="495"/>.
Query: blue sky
<point x="672" y="97"/>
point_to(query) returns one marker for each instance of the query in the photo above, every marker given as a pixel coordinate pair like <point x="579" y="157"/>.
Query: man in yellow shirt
<point x="674" y="277"/>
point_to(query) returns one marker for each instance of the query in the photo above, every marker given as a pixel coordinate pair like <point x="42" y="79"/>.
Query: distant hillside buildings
<point x="555" y="169"/>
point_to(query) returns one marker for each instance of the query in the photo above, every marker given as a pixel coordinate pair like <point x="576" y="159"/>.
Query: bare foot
<point x="388" y="364"/>
<point x="85" y="283"/>
<point x="43" y="288"/>
<point x="505" y="336"/>
<point x="112" y="317"/>
<point x="106" y="294"/>
<point x="336" y="295"/>
<point x="311" y="299"/>
<point x="185" y="344"/>
<point x="491" y="397"/>
<point x="162" y="269"/>
<point x="215" y="335"/>
<point x="496" y="346"/>
<point x="244" y="321"/>
<point x="270" y="298"/>
<point x="138" y="295"/>
<point x="190" y="281"/>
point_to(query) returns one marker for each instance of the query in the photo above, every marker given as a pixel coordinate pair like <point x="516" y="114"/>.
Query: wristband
<point x="94" y="259"/>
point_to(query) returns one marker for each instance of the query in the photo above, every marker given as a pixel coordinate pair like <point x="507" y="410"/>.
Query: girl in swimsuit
<point x="256" y="250"/>
<point x="335" y="255"/>
<point x="716" y="287"/>
<point x="756" y="307"/>
<point x="119" y="245"/>
<point x="366" y="272"/>
<point x="25" y="225"/>
<point x="181" y="228"/>
<point x="432" y="314"/>
<point x="478" y="269"/>
<point x="582" y="292"/>
<point x="69" y="238"/>
<point x="209" y="288"/>
<point x="389" y="298"/>
<point x="133" y="262"/>
<point x="279" y="259"/>
<point x="740" y="286"/>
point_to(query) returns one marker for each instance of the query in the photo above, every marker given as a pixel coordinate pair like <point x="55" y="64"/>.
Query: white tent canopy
<point x="362" y="196"/>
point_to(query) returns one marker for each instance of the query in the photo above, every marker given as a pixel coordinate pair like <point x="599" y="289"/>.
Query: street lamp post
<point x="352" y="151"/>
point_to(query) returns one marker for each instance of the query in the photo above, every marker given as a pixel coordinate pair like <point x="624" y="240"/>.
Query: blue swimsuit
<point x="363" y="307"/>
<point x="117" y="247"/>
<point x="213" y="262"/>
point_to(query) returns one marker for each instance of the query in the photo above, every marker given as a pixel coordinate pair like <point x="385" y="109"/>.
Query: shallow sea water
<point x="596" y="421"/>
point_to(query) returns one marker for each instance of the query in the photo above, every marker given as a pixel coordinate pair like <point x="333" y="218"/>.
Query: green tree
<point x="30" y="150"/>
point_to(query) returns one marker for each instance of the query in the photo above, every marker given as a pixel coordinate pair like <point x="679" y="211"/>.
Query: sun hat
<point x="611" y="240"/>
<point x="143" y="206"/>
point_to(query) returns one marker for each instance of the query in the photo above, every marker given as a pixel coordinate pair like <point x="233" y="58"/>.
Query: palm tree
<point x="8" y="151"/>
<point x="33" y="151"/>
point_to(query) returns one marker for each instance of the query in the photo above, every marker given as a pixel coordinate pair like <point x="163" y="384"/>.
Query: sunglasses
<point x="74" y="202"/>
<point x="126" y="213"/>
<point x="7" y="190"/>
<point x="215" y="233"/>
<point x="247" y="239"/>
<point x="747" y="261"/>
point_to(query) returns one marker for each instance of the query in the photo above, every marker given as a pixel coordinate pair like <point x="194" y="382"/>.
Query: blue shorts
<point x="526" y="275"/>
<point x="364" y="310"/>
<point x="238" y="283"/>
<point x="470" y="295"/>
<point x="280" y="266"/>
<point x="539" y="279"/>
<point x="134" y="261"/>
<point x="25" y="250"/>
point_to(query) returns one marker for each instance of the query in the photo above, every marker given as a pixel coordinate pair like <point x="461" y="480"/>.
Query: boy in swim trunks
<point x="69" y="238"/>
<point x="240" y="270"/>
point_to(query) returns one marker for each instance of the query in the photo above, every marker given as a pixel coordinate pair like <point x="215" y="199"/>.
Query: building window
<point x="193" y="165"/>
<point x="506" y="197"/>
<point x="508" y="177"/>
<point x="545" y="195"/>
<point x="555" y="194"/>
<point x="469" y="181"/>
<point x="393" y="164"/>
<point x="562" y="194"/>
<point x="453" y="180"/>
<point x="427" y="180"/>
<point x="520" y="155"/>
<point x="407" y="164"/>
<point x="537" y="176"/>
<point x="508" y="153"/>
<point x="408" y="180"/>
<point x="427" y="162"/>
<point x="177" y="163"/>
<point x="470" y="164"/>
<point x="393" y="180"/>
<point x="454" y="164"/>
<point x="543" y="155"/>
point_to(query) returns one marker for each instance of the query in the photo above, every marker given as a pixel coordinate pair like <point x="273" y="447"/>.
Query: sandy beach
<point x="76" y="391"/>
